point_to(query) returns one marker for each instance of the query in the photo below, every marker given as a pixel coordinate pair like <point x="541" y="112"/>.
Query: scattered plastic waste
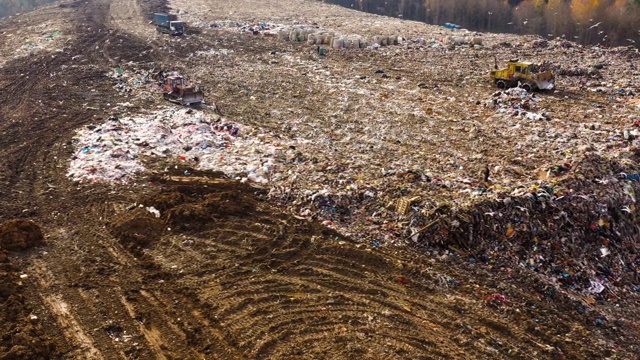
<point x="114" y="150"/>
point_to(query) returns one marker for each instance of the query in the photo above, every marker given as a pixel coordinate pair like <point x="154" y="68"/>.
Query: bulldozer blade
<point x="192" y="98"/>
<point x="545" y="85"/>
<point x="186" y="100"/>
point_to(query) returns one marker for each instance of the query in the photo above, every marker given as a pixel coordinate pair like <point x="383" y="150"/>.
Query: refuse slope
<point x="211" y="268"/>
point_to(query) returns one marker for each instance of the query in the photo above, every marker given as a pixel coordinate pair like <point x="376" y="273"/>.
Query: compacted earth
<point x="187" y="261"/>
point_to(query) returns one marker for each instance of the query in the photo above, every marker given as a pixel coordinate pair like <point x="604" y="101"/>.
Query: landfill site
<point x="297" y="180"/>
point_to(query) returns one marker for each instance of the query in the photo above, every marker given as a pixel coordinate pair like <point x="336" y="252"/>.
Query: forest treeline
<point x="605" y="22"/>
<point x="11" y="7"/>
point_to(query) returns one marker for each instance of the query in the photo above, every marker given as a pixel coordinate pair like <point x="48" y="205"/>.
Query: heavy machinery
<point x="168" y="24"/>
<point x="526" y="75"/>
<point x="176" y="89"/>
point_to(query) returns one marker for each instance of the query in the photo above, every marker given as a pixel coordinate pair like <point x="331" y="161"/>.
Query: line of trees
<point x="11" y="7"/>
<point x="605" y="22"/>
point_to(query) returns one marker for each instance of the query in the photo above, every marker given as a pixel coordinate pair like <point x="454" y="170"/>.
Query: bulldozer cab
<point x="516" y="69"/>
<point x="176" y="89"/>
<point x="173" y="82"/>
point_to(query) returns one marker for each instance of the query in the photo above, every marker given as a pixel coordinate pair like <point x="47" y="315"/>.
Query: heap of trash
<point x="121" y="148"/>
<point x="131" y="82"/>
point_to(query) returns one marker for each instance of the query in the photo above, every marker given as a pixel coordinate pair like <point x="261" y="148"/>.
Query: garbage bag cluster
<point x="117" y="150"/>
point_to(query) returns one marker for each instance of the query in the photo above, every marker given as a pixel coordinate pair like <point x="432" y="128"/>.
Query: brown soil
<point x="136" y="228"/>
<point x="223" y="273"/>
<point x="20" y="234"/>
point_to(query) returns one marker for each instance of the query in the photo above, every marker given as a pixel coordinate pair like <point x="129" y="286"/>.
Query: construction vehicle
<point x="168" y="24"/>
<point x="526" y="75"/>
<point x="176" y="89"/>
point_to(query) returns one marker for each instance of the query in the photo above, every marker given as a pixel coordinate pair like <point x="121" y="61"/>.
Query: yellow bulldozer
<point x="526" y="75"/>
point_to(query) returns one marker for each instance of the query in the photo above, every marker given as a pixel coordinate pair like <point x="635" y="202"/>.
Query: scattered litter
<point x="596" y="287"/>
<point x="153" y="210"/>
<point x="498" y="297"/>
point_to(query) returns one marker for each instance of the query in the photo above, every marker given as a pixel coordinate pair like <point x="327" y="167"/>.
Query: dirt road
<point x="223" y="273"/>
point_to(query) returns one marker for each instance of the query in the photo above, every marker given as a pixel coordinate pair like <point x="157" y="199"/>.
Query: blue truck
<point x="168" y="24"/>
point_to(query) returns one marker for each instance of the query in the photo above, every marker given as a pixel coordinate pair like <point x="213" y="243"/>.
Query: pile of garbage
<point x="517" y="102"/>
<point x="134" y="83"/>
<point x="580" y="231"/>
<point x="44" y="41"/>
<point x="245" y="27"/>
<point x="119" y="149"/>
<point x="309" y="34"/>
<point x="315" y="36"/>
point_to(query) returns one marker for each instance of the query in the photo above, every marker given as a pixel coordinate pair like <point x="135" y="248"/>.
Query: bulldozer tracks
<point x="254" y="283"/>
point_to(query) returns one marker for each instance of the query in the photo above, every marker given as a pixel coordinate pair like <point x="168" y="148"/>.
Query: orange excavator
<point x="176" y="89"/>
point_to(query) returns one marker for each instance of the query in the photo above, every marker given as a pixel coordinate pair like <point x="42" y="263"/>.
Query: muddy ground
<point x="224" y="273"/>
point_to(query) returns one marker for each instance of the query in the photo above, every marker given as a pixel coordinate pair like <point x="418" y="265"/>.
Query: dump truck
<point x="176" y="89"/>
<point x="526" y="75"/>
<point x="168" y="24"/>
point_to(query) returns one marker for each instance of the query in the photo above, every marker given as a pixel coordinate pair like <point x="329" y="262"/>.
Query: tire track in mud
<point x="36" y="122"/>
<point x="109" y="48"/>
<point x="81" y="304"/>
<point x="257" y="285"/>
<point x="151" y="335"/>
<point x="30" y="131"/>
<point x="72" y="328"/>
<point x="275" y="293"/>
<point x="61" y="309"/>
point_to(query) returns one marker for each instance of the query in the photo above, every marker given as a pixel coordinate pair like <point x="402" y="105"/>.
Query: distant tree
<point x="583" y="10"/>
<point x="605" y="22"/>
<point x="433" y="11"/>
